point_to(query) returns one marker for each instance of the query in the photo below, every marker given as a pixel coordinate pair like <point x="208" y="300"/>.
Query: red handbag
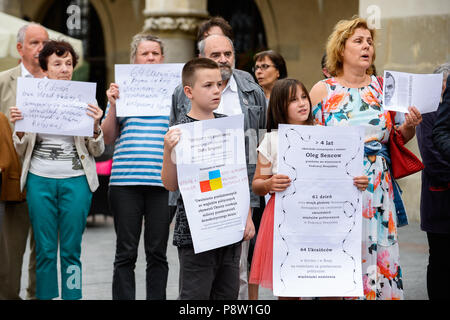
<point x="403" y="161"/>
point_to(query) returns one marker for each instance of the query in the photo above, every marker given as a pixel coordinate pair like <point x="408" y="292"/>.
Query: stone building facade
<point x="413" y="35"/>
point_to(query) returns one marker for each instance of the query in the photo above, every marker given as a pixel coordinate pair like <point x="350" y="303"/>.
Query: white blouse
<point x="55" y="156"/>
<point x="268" y="148"/>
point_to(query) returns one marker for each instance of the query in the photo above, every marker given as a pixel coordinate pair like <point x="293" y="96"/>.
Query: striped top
<point x="138" y="152"/>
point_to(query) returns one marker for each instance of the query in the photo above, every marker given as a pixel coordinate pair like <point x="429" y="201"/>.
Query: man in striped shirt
<point x="136" y="191"/>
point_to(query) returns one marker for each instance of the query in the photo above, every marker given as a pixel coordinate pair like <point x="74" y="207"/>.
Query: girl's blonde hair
<point x="342" y="31"/>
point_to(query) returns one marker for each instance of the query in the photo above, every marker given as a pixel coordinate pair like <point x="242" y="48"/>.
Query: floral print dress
<point x="382" y="275"/>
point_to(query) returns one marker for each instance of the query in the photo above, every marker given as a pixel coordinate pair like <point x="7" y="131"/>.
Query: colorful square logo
<point x="210" y="181"/>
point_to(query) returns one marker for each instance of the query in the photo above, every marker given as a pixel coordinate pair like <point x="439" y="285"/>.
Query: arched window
<point x="89" y="32"/>
<point x="248" y="28"/>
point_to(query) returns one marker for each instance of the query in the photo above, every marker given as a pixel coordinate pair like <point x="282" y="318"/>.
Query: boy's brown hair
<point x="189" y="69"/>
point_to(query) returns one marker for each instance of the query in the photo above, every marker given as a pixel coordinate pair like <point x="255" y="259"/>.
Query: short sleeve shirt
<point x="269" y="149"/>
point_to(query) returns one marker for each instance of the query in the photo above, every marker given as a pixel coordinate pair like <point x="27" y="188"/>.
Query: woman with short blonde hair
<point x="343" y="30"/>
<point x="353" y="97"/>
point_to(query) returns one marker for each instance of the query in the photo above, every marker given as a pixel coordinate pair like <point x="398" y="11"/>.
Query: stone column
<point x="175" y="22"/>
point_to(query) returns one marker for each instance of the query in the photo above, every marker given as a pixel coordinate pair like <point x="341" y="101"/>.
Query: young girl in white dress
<point x="289" y="103"/>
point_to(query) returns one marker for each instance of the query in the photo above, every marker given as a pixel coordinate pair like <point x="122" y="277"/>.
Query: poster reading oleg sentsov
<point x="317" y="220"/>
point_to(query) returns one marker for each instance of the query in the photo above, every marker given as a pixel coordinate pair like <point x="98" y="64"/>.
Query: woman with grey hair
<point x="136" y="193"/>
<point x="445" y="70"/>
<point x="142" y="41"/>
<point x="435" y="203"/>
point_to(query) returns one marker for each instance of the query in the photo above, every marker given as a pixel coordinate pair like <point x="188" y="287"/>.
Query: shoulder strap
<point x="380" y="82"/>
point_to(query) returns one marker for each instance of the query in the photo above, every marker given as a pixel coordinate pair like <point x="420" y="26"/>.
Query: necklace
<point x="360" y="84"/>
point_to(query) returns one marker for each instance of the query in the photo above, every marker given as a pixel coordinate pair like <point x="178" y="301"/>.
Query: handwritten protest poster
<point x="212" y="177"/>
<point x="317" y="219"/>
<point x="146" y="89"/>
<point x="55" y="106"/>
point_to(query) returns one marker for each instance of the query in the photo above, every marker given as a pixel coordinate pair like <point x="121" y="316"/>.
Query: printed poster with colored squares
<point x="212" y="177"/>
<point x="210" y="181"/>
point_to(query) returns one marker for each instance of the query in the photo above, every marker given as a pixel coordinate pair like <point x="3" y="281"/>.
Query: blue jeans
<point x="58" y="206"/>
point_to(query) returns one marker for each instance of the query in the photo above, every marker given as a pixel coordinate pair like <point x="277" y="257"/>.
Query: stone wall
<point x="413" y="36"/>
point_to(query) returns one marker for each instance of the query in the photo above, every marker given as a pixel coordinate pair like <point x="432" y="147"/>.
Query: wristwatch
<point x="98" y="131"/>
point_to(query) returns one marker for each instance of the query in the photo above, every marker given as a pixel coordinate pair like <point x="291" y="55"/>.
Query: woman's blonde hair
<point x="342" y="31"/>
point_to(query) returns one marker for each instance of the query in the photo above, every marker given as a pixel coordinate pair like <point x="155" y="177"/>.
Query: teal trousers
<point x="58" y="208"/>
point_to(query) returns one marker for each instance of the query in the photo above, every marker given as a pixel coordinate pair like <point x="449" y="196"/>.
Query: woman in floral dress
<point x="353" y="96"/>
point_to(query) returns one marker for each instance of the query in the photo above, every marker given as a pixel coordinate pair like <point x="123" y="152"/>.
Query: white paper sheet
<point x="146" y="89"/>
<point x="55" y="106"/>
<point x="212" y="177"/>
<point x="402" y="90"/>
<point x="317" y="221"/>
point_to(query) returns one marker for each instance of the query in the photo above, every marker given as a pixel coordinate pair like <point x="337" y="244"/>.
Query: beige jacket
<point x="87" y="149"/>
<point x="8" y="85"/>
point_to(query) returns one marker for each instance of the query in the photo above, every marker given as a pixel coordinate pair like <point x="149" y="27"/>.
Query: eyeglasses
<point x="262" y="66"/>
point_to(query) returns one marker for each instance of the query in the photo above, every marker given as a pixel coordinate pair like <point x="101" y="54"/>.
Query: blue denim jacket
<point x="254" y="107"/>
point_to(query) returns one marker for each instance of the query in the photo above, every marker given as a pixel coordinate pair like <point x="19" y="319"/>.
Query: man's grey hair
<point x="443" y="68"/>
<point x="23" y="30"/>
<point x="138" y="38"/>
<point x="202" y="43"/>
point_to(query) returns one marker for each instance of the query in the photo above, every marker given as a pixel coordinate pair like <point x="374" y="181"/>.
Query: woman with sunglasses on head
<point x="269" y="67"/>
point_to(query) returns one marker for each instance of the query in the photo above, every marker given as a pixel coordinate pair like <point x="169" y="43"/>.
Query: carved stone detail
<point x="185" y="24"/>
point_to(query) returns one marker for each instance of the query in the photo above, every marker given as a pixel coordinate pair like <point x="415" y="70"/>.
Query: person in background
<point x="60" y="175"/>
<point x="215" y="25"/>
<point x="136" y="192"/>
<point x="16" y="222"/>
<point x="435" y="202"/>
<point x="353" y="97"/>
<point x="219" y="26"/>
<point x="441" y="130"/>
<point x="10" y="168"/>
<point x="269" y="67"/>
